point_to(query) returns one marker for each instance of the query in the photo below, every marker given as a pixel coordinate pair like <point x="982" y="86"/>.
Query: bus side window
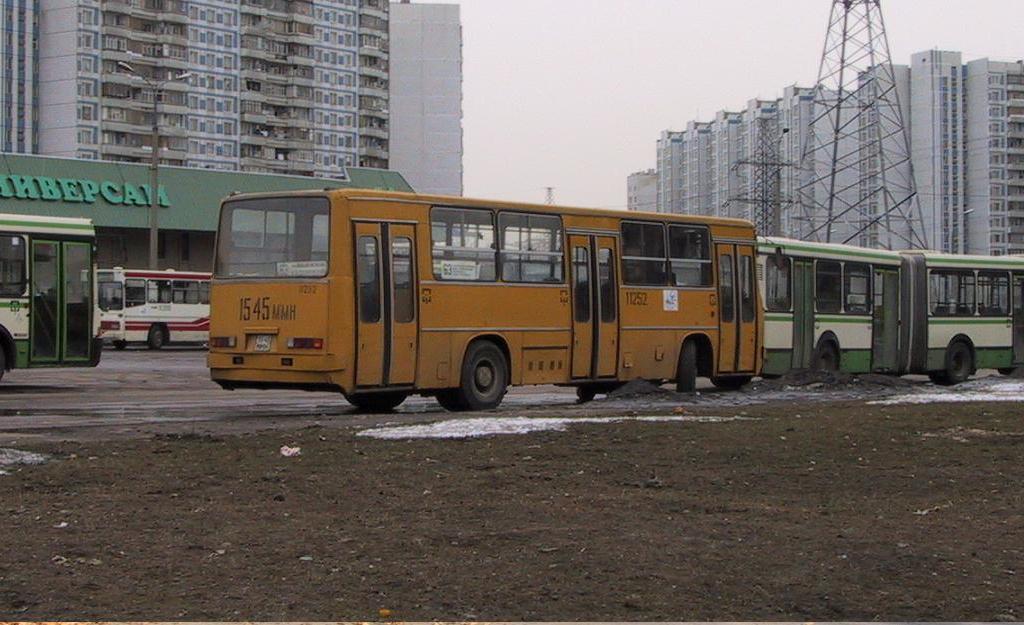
<point x="952" y="293"/>
<point x="204" y="292"/>
<point x="462" y="244"/>
<point x="828" y="286"/>
<point x="643" y="254"/>
<point x="993" y="293"/>
<point x="13" y="279"/>
<point x="857" y="288"/>
<point x="134" y="292"/>
<point x="778" y="270"/>
<point x="531" y="248"/>
<point x="368" y="268"/>
<point x="689" y="251"/>
<point x="159" y="292"/>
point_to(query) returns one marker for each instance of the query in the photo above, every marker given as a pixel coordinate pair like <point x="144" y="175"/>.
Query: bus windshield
<point x="283" y="237"/>
<point x="111" y="296"/>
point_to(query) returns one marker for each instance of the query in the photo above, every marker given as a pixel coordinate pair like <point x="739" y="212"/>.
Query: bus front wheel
<point x="119" y="345"/>
<point x="376" y="402"/>
<point x="484" y="379"/>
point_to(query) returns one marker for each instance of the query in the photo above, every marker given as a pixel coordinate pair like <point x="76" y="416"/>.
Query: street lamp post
<point x="156" y="87"/>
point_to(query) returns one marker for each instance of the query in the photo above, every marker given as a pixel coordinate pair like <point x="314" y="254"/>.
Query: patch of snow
<point x="10" y="456"/>
<point x="971" y="392"/>
<point x="484" y="426"/>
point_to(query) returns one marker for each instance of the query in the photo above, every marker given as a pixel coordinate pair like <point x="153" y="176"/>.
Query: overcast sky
<point x="573" y="93"/>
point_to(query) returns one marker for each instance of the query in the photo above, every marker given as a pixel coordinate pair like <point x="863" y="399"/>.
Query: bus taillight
<point x="305" y="343"/>
<point x="222" y="341"/>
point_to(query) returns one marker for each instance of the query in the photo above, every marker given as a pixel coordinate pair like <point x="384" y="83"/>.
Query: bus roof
<point x="447" y="200"/>
<point x="34" y="224"/>
<point x="826" y="250"/>
<point x="963" y="261"/>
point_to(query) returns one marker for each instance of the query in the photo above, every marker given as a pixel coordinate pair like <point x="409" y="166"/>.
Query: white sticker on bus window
<point x="302" y="268"/>
<point x="460" y="270"/>
<point x="670" y="300"/>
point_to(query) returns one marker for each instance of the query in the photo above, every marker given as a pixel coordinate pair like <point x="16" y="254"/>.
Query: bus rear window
<point x="284" y="237"/>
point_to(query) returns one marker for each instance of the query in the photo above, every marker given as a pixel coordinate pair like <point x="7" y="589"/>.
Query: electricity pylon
<point x="857" y="179"/>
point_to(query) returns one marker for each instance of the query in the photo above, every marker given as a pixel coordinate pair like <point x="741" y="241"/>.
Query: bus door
<point x="885" y="331"/>
<point x="1018" y="318"/>
<point x="386" y="327"/>
<point x="803" y="313"/>
<point x="61" y="305"/>
<point x="737" y="301"/>
<point x="595" y="328"/>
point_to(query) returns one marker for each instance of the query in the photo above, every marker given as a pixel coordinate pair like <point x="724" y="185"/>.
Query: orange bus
<point x="380" y="295"/>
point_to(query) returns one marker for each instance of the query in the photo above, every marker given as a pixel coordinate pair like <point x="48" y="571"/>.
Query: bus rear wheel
<point x="826" y="357"/>
<point x="484" y="379"/>
<point x="1007" y="370"/>
<point x="156" y="338"/>
<point x="3" y="363"/>
<point x="119" y="345"/>
<point x="376" y="402"/>
<point x="959" y="364"/>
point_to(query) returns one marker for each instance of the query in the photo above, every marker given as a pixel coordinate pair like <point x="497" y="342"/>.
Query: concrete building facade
<point x="426" y="96"/>
<point x="642" y="191"/>
<point x="18" y="57"/>
<point x="277" y="86"/>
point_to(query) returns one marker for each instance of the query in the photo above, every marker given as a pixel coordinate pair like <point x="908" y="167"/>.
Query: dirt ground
<point x="824" y="511"/>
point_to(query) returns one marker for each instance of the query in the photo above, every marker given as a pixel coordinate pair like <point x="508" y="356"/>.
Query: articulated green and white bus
<point x="839" y="307"/>
<point x="47" y="293"/>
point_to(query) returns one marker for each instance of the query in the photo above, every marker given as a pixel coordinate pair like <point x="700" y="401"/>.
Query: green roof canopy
<point x="115" y="194"/>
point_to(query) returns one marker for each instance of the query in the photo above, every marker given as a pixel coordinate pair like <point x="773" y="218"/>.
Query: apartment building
<point x="642" y="191"/>
<point x="18" y="22"/>
<point x="426" y="95"/>
<point x="965" y="124"/>
<point x="276" y="86"/>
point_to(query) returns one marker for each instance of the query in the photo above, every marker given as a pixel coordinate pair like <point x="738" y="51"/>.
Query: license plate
<point x="262" y="342"/>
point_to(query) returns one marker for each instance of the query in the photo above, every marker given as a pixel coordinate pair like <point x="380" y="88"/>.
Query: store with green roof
<point x="116" y="197"/>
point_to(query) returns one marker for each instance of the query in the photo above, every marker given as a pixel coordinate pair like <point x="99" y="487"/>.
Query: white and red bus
<point x="153" y="307"/>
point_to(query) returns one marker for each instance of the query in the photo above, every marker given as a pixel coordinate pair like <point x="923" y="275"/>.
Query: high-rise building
<point x="642" y="191"/>
<point x="278" y="86"/>
<point x="18" y="57"/>
<point x="426" y="96"/>
<point x="966" y="129"/>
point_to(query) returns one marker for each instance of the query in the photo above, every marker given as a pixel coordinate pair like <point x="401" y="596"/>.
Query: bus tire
<point x="959" y="363"/>
<point x="484" y="377"/>
<point x="119" y="345"/>
<point x="731" y="382"/>
<point x="686" y="369"/>
<point x="826" y="357"/>
<point x="377" y="402"/>
<point x="1007" y="370"/>
<point x="3" y="362"/>
<point x="157" y="337"/>
<point x="585" y="393"/>
<point x="449" y="400"/>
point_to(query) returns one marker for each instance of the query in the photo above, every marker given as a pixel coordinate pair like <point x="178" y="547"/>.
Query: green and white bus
<point x="47" y="293"/>
<point x="857" y="310"/>
<point x="831" y="307"/>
